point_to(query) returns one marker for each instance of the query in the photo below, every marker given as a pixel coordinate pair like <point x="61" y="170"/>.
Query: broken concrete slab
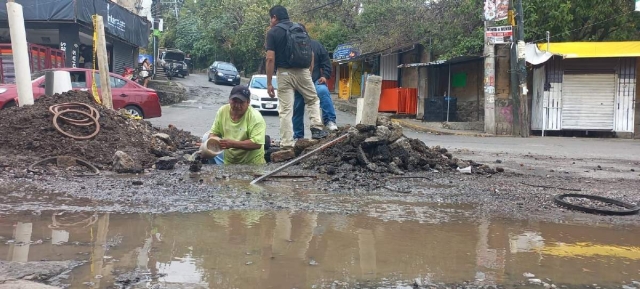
<point x="35" y="270"/>
<point x="23" y="284"/>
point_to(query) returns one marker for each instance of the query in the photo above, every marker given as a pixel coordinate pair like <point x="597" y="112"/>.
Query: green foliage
<point x="234" y="30"/>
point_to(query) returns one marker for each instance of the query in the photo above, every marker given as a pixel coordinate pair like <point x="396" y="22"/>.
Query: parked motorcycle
<point x="176" y="68"/>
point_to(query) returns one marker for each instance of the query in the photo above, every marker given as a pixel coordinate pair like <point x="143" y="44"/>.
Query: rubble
<point x="384" y="149"/>
<point x="28" y="133"/>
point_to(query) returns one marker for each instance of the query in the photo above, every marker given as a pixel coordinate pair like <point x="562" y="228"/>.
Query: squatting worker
<point x="241" y="129"/>
<point x="290" y="79"/>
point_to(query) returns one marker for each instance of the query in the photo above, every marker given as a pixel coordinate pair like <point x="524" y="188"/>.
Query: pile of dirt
<point x="28" y="132"/>
<point x="384" y="149"/>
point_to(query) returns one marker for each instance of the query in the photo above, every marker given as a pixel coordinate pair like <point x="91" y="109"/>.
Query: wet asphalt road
<point x="205" y="98"/>
<point x="617" y="158"/>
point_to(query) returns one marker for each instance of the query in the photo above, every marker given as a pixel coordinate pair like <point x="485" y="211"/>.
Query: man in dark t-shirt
<point x="321" y="72"/>
<point x="289" y="80"/>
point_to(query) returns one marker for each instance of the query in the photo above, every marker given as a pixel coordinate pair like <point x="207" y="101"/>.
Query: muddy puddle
<point x="255" y="249"/>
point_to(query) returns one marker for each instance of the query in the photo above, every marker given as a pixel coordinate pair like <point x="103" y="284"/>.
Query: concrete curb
<point x="416" y="127"/>
<point x="348" y="107"/>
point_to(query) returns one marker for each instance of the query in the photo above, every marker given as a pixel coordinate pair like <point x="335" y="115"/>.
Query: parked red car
<point x="135" y="98"/>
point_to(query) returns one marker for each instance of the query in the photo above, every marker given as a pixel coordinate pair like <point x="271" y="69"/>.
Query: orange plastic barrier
<point x="399" y="100"/>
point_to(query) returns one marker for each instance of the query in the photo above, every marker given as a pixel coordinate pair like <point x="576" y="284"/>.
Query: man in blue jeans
<point x="321" y="72"/>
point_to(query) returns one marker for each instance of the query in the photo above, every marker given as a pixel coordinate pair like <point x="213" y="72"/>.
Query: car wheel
<point x="134" y="110"/>
<point x="9" y="104"/>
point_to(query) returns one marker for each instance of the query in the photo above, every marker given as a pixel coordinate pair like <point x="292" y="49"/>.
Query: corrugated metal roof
<point x="455" y="60"/>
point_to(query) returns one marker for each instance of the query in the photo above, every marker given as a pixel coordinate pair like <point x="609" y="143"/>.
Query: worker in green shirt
<point x="241" y="130"/>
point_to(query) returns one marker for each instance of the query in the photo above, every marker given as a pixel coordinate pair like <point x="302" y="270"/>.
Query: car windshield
<point x="227" y="67"/>
<point x="176" y="56"/>
<point x="261" y="83"/>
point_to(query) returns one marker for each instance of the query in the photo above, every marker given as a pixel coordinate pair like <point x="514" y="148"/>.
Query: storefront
<point x="67" y="25"/>
<point x="585" y="86"/>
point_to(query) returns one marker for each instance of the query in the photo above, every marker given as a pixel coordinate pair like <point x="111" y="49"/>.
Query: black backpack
<point x="298" y="50"/>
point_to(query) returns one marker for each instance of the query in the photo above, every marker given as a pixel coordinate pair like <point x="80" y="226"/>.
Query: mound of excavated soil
<point x="29" y="132"/>
<point x="384" y="149"/>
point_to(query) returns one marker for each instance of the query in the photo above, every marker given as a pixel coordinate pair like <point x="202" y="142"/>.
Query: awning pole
<point x="548" y="40"/>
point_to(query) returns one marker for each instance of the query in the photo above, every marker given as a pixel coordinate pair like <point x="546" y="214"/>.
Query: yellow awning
<point x="593" y="49"/>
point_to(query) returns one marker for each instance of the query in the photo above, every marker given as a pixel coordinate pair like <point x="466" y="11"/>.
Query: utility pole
<point x="156" y="12"/>
<point x="20" y="53"/>
<point x="523" y="113"/>
<point x="103" y="63"/>
<point x="513" y="72"/>
<point x="489" y="84"/>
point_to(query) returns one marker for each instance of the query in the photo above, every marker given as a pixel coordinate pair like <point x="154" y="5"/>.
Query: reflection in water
<point x="585" y="249"/>
<point x="19" y="251"/>
<point x="254" y="249"/>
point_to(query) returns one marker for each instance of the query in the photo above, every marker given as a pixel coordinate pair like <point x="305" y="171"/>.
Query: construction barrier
<point x="399" y="101"/>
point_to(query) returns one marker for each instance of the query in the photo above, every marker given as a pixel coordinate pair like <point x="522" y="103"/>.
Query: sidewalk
<point x="411" y="123"/>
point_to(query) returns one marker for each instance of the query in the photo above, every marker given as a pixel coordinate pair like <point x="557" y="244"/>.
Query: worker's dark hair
<point x="279" y="12"/>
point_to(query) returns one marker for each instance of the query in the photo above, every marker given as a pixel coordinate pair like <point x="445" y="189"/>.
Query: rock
<point x="365" y="128"/>
<point x="462" y="164"/>
<point x="498" y="161"/>
<point x="528" y="275"/>
<point x="535" y="281"/>
<point x="500" y="169"/>
<point x="124" y="164"/>
<point x="628" y="287"/>
<point x="137" y="183"/>
<point x="282" y="156"/>
<point x="164" y="137"/>
<point x="373" y="141"/>
<point x="383" y="132"/>
<point x="195" y="167"/>
<point x="383" y="120"/>
<point x="166" y="163"/>
<point x="396" y="132"/>
<point x="160" y="148"/>
<point x="303" y="144"/>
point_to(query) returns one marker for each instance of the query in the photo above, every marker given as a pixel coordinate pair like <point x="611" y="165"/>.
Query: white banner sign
<point x="499" y="34"/>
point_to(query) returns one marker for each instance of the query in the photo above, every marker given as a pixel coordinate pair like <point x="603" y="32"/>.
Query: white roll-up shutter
<point x="588" y="101"/>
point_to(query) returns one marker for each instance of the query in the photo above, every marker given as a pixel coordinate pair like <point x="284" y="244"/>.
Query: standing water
<point x="254" y="249"/>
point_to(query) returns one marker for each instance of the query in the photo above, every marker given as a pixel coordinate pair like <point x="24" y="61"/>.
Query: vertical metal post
<point x="545" y="103"/>
<point x="48" y="82"/>
<point x="522" y="73"/>
<point x="548" y="39"/>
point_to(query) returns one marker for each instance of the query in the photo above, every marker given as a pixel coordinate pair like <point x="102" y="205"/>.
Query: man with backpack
<point x="321" y="72"/>
<point x="289" y="51"/>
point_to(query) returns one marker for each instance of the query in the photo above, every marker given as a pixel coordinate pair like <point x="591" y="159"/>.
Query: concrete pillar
<point x="69" y="35"/>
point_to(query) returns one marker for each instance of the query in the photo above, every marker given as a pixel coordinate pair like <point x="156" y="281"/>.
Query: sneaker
<point x="317" y="133"/>
<point x="332" y="126"/>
